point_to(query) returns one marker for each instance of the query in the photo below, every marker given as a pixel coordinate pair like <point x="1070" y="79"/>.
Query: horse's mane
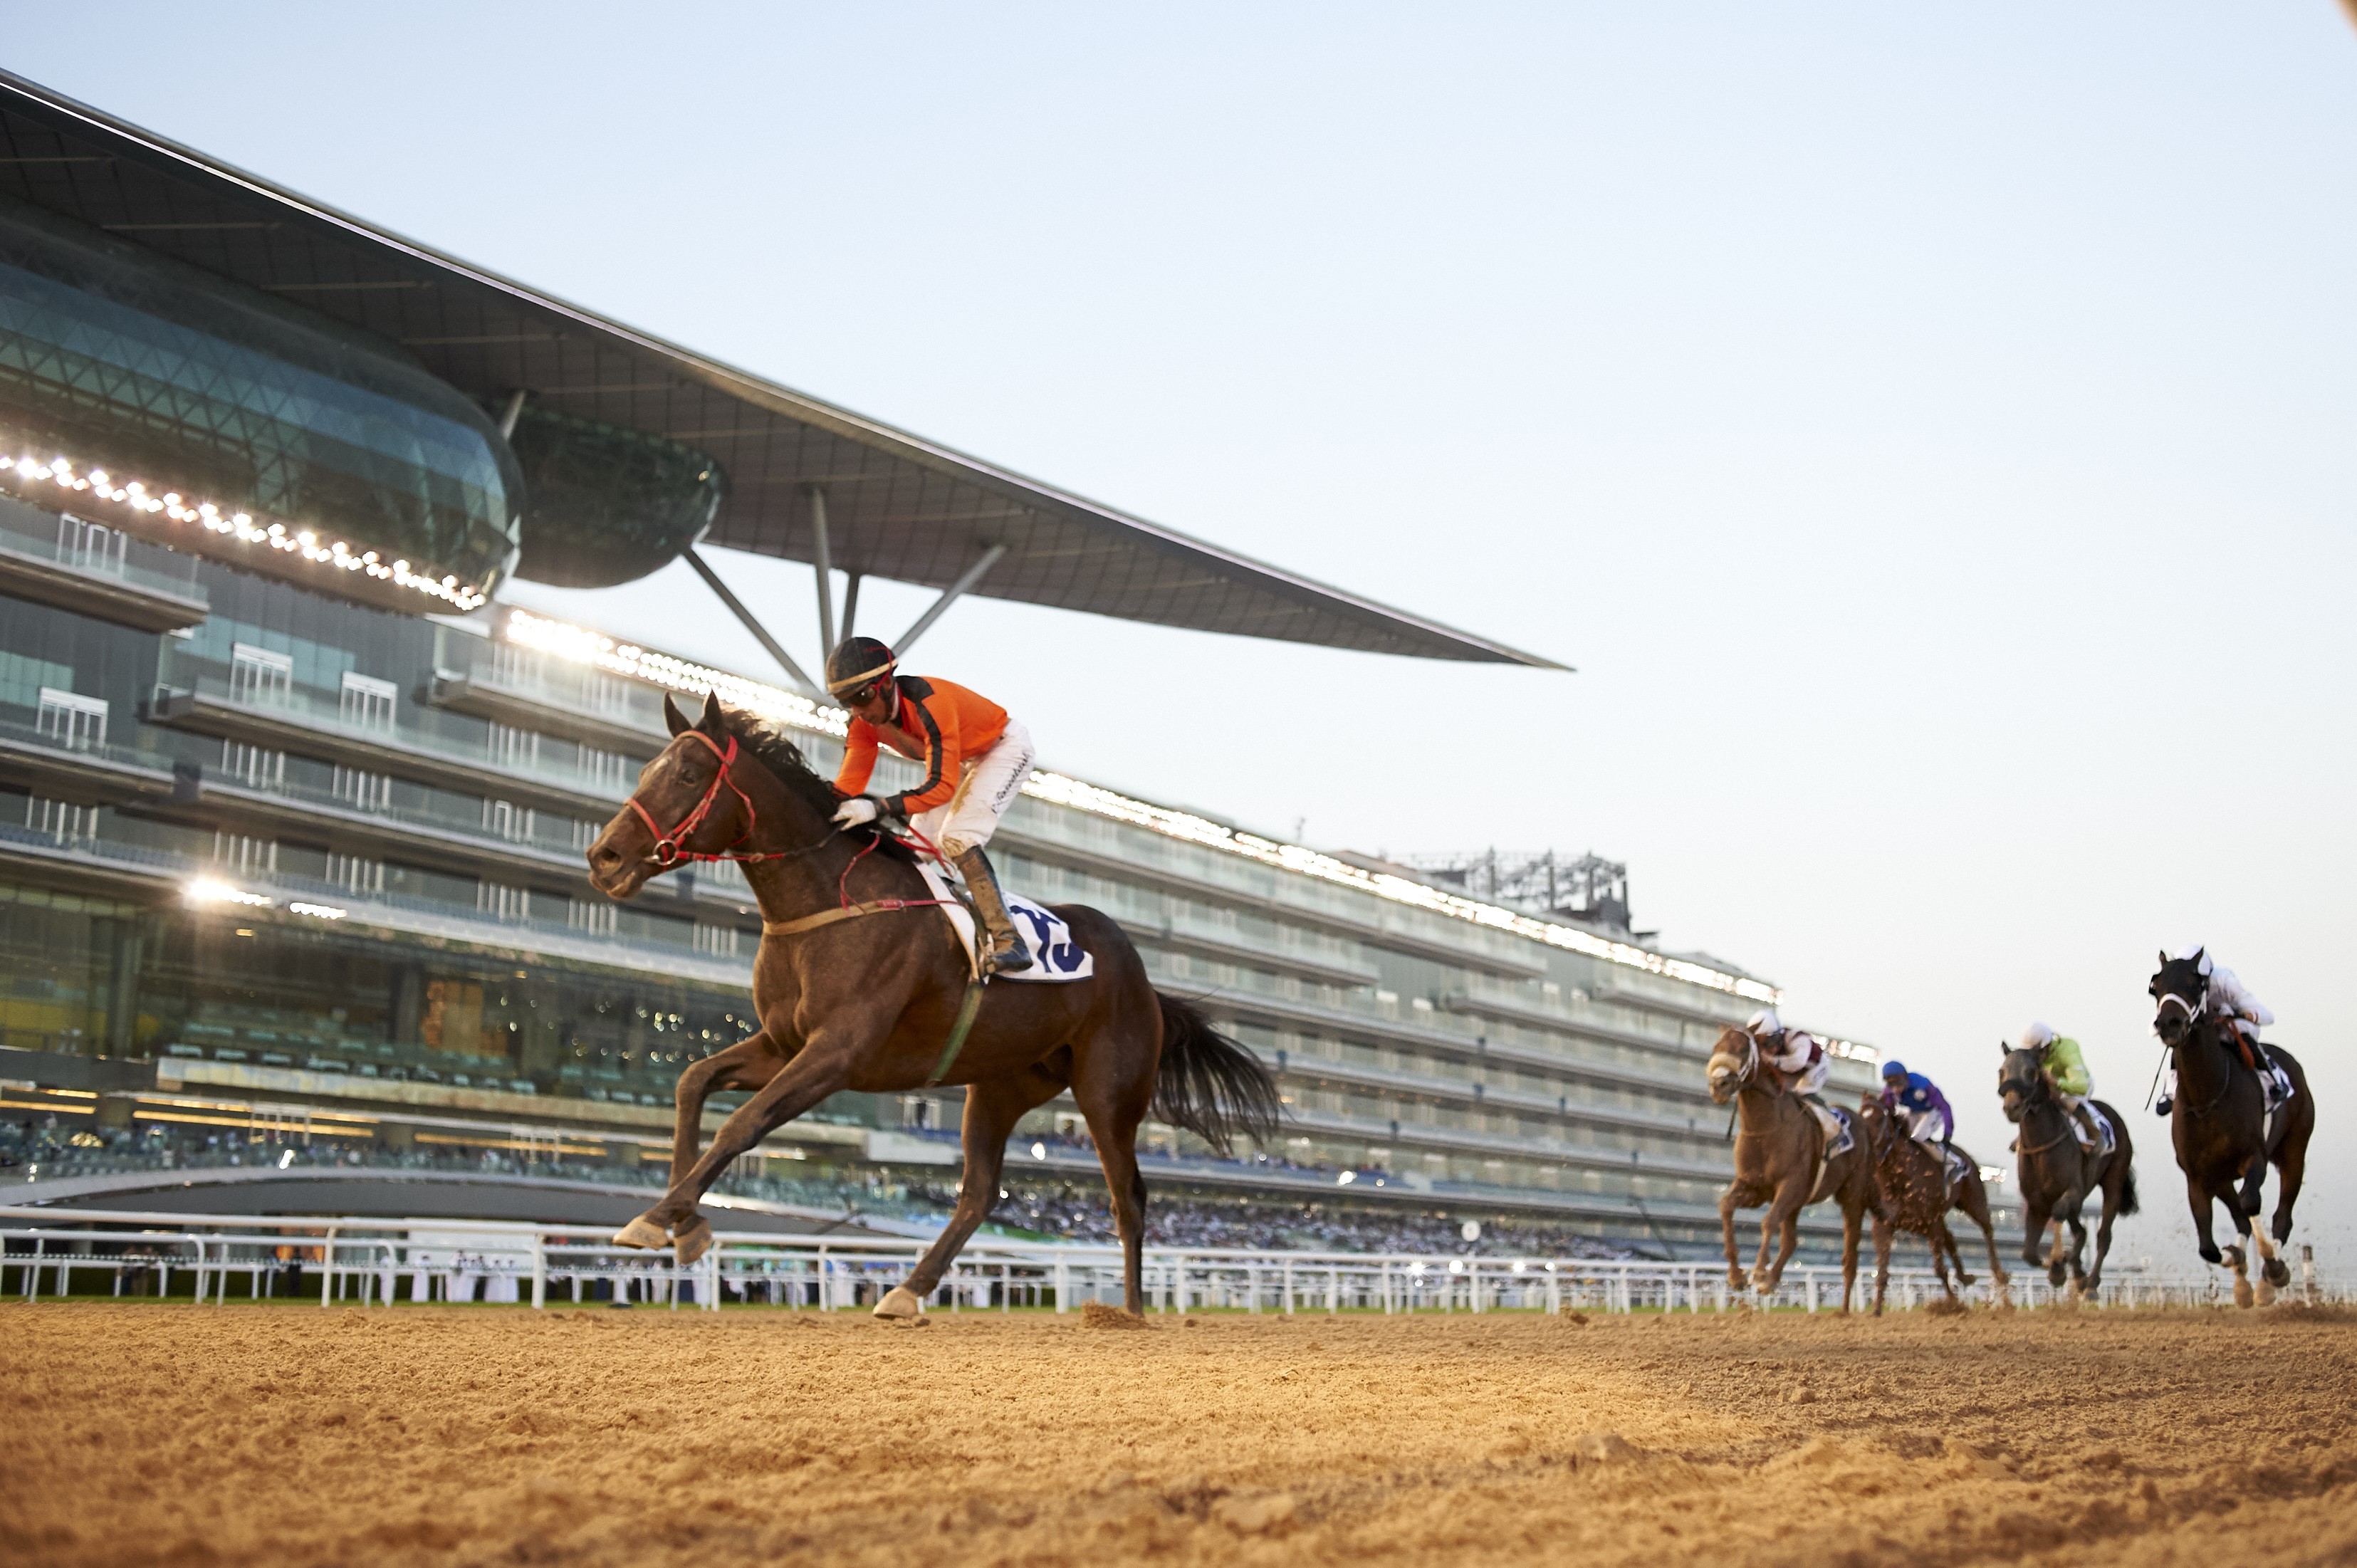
<point x="769" y="744"/>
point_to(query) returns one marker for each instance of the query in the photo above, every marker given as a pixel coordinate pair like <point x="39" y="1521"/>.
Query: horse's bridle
<point x="667" y="853"/>
<point x="2192" y="1010"/>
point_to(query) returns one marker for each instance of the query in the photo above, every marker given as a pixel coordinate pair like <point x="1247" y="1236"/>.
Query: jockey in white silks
<point x="2225" y="996"/>
<point x="1798" y="1055"/>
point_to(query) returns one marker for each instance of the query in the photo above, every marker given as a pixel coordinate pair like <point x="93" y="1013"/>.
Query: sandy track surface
<point x="292" y="1436"/>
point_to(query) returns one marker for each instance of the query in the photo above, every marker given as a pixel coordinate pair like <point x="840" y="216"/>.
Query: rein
<point x="2033" y="1095"/>
<point x="667" y="853"/>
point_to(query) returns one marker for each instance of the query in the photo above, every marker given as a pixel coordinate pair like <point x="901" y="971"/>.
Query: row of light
<point x="581" y="645"/>
<point x="206" y="890"/>
<point x="134" y="495"/>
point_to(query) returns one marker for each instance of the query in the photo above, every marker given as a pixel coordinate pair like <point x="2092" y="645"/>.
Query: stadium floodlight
<point x="316" y="911"/>
<point x="1039" y="1151"/>
<point x="1346" y="1178"/>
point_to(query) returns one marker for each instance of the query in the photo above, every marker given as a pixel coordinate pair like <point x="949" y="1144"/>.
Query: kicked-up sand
<point x="291" y="1435"/>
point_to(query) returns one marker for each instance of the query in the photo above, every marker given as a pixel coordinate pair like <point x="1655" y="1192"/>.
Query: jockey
<point x="2224" y="996"/>
<point x="1917" y="1100"/>
<point x="1795" y="1053"/>
<point x="975" y="758"/>
<point x="2066" y="1070"/>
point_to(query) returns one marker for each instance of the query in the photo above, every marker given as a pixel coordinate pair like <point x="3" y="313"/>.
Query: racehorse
<point x="1916" y="1196"/>
<point x="1780" y="1161"/>
<point x="2220" y="1125"/>
<point x="2056" y="1174"/>
<point x="859" y="983"/>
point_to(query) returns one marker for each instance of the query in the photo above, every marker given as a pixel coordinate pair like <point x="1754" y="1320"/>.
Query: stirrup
<point x="1011" y="959"/>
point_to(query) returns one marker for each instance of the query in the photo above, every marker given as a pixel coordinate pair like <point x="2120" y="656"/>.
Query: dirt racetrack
<point x="292" y="1435"/>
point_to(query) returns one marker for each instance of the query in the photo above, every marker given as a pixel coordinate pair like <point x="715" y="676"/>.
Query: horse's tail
<point x="1208" y="1083"/>
<point x="2129" y="1192"/>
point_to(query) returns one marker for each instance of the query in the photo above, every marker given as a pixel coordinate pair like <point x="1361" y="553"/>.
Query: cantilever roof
<point x="899" y="506"/>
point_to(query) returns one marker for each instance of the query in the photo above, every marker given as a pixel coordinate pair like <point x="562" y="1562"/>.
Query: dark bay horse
<point x="1780" y="1161"/>
<point x="2220" y="1126"/>
<point x="867" y="1001"/>
<point x="1916" y="1196"/>
<point x="2056" y="1174"/>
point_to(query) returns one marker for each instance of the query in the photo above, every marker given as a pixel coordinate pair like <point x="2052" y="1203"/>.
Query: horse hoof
<point x="2277" y="1271"/>
<point x="2264" y="1293"/>
<point x="2056" y="1275"/>
<point x="692" y="1242"/>
<point x="2244" y="1295"/>
<point x="900" y="1305"/>
<point x="641" y="1233"/>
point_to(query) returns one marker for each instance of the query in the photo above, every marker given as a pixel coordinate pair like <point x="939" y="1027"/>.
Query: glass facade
<point x="112" y="355"/>
<point x="607" y="505"/>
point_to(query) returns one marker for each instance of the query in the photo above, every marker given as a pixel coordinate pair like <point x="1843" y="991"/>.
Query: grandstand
<point x="292" y="804"/>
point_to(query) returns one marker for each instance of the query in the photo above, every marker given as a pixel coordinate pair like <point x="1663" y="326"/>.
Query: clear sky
<point x="1930" y="431"/>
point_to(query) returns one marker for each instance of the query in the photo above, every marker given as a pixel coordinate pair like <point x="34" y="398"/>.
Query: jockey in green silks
<point x="2066" y="1070"/>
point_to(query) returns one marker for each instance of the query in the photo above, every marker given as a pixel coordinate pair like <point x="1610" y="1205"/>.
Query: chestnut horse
<point x="859" y="983"/>
<point x="1780" y="1161"/>
<point x="1917" y="1197"/>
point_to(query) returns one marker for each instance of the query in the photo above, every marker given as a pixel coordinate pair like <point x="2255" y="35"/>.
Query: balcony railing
<point x="114" y="578"/>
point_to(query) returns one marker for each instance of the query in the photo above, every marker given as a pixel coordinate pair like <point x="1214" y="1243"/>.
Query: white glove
<point x="855" y="813"/>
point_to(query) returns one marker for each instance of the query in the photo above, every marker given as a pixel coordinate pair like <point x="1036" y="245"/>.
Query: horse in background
<point x="2223" y="1136"/>
<point x="2056" y="1174"/>
<point x="1916" y="1196"/>
<point x="1779" y="1160"/>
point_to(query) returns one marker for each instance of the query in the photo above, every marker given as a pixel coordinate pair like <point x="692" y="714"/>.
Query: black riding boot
<point x="1007" y="952"/>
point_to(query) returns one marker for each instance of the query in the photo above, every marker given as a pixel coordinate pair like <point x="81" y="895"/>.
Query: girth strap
<point x="848" y="912"/>
<point x="970" y="1006"/>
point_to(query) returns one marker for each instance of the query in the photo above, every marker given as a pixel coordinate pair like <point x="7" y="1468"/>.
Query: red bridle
<point x="666" y="846"/>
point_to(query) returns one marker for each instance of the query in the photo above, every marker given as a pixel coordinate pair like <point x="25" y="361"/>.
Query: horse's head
<point x="1734" y="1064"/>
<point x="1873" y="1121"/>
<point x="2022" y="1081"/>
<point x="2179" y="989"/>
<point x="702" y="796"/>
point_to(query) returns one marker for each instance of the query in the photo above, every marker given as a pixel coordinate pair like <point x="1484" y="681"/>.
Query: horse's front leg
<point x="2196" y="1198"/>
<point x="2033" y="1226"/>
<point x="1882" y="1241"/>
<point x="748" y="1063"/>
<point x="821" y="1068"/>
<point x="1781" y="1225"/>
<point x="1943" y="1247"/>
<point x="1729" y="1202"/>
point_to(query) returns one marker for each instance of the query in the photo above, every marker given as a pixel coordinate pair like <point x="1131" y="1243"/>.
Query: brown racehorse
<point x="2220" y="1126"/>
<point x="1780" y="1161"/>
<point x="2056" y="1175"/>
<point x="867" y="1001"/>
<point x="1916" y="1198"/>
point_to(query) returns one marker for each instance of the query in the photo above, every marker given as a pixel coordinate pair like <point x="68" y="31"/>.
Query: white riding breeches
<point x="987" y="785"/>
<point x="1927" y="1126"/>
<point x="1811" y="1079"/>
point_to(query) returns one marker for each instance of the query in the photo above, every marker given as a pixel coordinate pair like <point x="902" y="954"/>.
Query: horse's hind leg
<point x="992" y="1108"/>
<point x="1112" y="1083"/>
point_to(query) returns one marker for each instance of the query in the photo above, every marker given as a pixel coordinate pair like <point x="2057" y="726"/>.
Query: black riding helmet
<point x="856" y="666"/>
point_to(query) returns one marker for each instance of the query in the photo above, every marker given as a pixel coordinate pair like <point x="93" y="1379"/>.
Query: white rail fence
<point x="363" y="1262"/>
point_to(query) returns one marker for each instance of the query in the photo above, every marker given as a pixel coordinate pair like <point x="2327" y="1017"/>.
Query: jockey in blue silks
<point x="1916" y="1100"/>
